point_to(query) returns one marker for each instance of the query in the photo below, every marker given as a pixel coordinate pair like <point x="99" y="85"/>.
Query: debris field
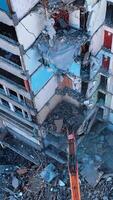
<point x="21" y="179"/>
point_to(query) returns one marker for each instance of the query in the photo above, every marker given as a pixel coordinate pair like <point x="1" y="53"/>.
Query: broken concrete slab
<point x="91" y="174"/>
<point x="61" y="183"/>
<point x="49" y="173"/>
<point x="15" y="182"/>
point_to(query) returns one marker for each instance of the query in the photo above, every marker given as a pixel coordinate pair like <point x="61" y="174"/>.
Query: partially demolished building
<point x="53" y="52"/>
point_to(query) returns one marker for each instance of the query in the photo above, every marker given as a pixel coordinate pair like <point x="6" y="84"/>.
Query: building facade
<point x="53" y="52"/>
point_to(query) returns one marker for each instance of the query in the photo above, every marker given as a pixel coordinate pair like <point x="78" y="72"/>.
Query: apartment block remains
<point x="56" y="69"/>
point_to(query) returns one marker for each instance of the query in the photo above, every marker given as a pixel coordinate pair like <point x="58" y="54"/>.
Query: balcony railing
<point x="10" y="62"/>
<point x="9" y="39"/>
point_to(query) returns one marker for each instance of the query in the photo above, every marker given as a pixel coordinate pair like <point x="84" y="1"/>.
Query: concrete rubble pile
<point x="24" y="180"/>
<point x="21" y="179"/>
<point x="68" y="113"/>
<point x="69" y="91"/>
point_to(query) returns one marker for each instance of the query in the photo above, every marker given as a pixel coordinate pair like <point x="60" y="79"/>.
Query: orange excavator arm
<point x="73" y="168"/>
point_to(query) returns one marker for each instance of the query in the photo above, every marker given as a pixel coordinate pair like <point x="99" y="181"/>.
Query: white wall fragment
<point x="21" y="7"/>
<point x="30" y="27"/>
<point x="74" y="18"/>
<point x="97" y="17"/>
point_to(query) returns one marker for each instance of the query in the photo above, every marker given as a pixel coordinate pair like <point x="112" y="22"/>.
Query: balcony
<point x="102" y="62"/>
<point x="9" y="44"/>
<point x="2" y="89"/>
<point x="12" y="58"/>
<point x="19" y="105"/>
<point x="11" y="67"/>
<point x="8" y="31"/>
<point x="22" y="145"/>
<point x="11" y="77"/>
<point x="14" y="86"/>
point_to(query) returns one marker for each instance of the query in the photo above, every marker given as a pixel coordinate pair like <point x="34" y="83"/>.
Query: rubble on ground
<point x="23" y="180"/>
<point x="70" y="114"/>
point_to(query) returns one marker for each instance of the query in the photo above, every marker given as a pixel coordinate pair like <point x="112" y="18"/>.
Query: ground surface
<point x="95" y="155"/>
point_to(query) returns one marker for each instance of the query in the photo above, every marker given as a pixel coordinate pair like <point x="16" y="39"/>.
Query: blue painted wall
<point x="40" y="78"/>
<point x="75" y="69"/>
<point x="4" y="6"/>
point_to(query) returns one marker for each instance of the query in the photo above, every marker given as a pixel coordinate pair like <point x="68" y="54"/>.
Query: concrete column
<point x="18" y="95"/>
<point x="11" y="106"/>
<point x="23" y="113"/>
<point x="29" y="116"/>
<point x="6" y="90"/>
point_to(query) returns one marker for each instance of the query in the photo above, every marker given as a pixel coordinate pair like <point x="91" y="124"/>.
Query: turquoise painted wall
<point x="4" y="6"/>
